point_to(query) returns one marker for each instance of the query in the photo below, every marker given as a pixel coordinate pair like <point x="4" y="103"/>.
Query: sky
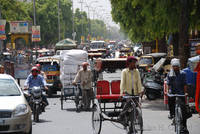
<point x="98" y="9"/>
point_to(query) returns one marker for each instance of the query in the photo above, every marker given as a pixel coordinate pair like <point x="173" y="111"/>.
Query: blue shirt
<point x="38" y="81"/>
<point x="177" y="83"/>
<point x="190" y="76"/>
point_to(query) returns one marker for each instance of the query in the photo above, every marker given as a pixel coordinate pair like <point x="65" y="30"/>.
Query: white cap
<point x="175" y="62"/>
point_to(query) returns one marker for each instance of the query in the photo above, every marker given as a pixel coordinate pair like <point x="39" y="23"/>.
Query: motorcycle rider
<point x="176" y="80"/>
<point x="40" y="71"/>
<point x="35" y="79"/>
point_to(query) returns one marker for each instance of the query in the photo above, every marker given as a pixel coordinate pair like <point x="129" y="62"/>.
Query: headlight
<point x="21" y="110"/>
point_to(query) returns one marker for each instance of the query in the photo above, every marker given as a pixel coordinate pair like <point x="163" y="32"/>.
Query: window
<point x="8" y="88"/>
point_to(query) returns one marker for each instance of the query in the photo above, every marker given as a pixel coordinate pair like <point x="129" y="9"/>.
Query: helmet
<point x="39" y="67"/>
<point x="34" y="71"/>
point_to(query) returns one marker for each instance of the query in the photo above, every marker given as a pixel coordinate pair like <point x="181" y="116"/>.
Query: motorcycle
<point x="153" y="84"/>
<point x="36" y="102"/>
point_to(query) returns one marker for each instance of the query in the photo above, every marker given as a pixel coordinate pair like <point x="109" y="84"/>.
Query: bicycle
<point x="133" y="114"/>
<point x="178" y="119"/>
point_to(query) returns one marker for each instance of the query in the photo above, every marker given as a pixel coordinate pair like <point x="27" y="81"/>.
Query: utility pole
<point x="73" y="32"/>
<point x="1" y="42"/>
<point x="34" y="23"/>
<point x="58" y="20"/>
<point x="81" y="1"/>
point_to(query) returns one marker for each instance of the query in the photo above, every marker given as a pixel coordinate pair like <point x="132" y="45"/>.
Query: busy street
<point x="99" y="67"/>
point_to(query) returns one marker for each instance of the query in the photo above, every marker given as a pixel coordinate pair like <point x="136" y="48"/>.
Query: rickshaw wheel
<point x="96" y="120"/>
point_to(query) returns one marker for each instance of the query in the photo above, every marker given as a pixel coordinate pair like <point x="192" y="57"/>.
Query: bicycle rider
<point x="130" y="80"/>
<point x="176" y="80"/>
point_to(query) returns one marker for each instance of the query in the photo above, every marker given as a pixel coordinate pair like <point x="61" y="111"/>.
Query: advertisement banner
<point x="36" y="34"/>
<point x="19" y="27"/>
<point x="2" y="30"/>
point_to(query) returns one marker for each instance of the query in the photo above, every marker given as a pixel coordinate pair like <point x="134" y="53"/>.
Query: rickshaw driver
<point x="130" y="82"/>
<point x="34" y="79"/>
<point x="84" y="76"/>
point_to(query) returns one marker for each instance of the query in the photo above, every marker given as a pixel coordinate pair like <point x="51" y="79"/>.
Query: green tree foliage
<point x="81" y="24"/>
<point x="12" y="10"/>
<point x="146" y="20"/>
<point x="47" y="18"/>
<point x="98" y="29"/>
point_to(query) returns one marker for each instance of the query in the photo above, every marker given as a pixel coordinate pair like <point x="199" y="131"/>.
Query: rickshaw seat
<point x="103" y="87"/>
<point x="115" y="87"/>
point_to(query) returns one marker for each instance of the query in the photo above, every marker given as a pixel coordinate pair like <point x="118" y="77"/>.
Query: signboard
<point x="20" y="27"/>
<point x="193" y="44"/>
<point x="2" y="29"/>
<point x="36" y="34"/>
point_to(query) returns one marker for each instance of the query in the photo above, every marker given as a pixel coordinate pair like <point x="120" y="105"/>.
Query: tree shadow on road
<point x="155" y="105"/>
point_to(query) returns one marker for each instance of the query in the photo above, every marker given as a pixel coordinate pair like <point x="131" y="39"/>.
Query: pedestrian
<point x="84" y="76"/>
<point x="176" y="80"/>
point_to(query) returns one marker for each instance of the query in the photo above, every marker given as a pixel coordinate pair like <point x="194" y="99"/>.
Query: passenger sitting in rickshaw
<point x="130" y="81"/>
<point x="84" y="76"/>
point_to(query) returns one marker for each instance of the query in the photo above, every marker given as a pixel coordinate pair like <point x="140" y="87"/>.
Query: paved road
<point x="67" y="121"/>
<point x="55" y="120"/>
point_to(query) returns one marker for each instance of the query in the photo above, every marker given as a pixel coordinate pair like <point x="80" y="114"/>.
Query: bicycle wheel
<point x="135" y="121"/>
<point x="138" y="121"/>
<point x="96" y="120"/>
<point x="178" y="119"/>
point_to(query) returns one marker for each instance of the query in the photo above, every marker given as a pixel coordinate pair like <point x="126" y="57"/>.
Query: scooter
<point x="153" y="84"/>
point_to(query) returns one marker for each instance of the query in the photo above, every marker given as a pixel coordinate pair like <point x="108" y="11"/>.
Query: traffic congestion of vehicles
<point x="107" y="103"/>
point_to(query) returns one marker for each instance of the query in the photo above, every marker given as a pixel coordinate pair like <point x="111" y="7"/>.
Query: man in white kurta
<point x="84" y="76"/>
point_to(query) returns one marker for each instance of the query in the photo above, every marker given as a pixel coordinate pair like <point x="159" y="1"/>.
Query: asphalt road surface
<point x="68" y="121"/>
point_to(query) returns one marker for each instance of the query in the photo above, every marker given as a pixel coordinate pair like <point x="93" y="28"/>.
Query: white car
<point x="15" y="113"/>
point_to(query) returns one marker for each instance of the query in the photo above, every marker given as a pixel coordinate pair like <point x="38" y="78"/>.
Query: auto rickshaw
<point x="149" y="60"/>
<point x="50" y="66"/>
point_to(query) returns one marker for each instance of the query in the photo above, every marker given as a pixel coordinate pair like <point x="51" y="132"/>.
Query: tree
<point x="147" y="20"/>
<point x="47" y="18"/>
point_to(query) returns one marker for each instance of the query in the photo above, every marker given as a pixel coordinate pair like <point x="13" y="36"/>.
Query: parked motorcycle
<point x="153" y="84"/>
<point x="36" y="102"/>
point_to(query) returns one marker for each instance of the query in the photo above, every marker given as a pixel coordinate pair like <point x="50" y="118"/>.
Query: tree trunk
<point x="183" y="31"/>
<point x="162" y="45"/>
<point x="175" y="43"/>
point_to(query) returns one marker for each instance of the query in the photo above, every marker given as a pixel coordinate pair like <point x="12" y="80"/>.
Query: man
<point x="34" y="79"/>
<point x="130" y="84"/>
<point x="40" y="71"/>
<point x="84" y="76"/>
<point x="130" y="78"/>
<point x="176" y="81"/>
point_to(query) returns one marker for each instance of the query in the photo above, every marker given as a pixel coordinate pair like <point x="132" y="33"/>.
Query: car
<point x="15" y="113"/>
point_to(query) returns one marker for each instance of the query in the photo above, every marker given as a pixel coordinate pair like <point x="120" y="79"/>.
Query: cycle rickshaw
<point x="70" y="63"/>
<point x="109" y="105"/>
